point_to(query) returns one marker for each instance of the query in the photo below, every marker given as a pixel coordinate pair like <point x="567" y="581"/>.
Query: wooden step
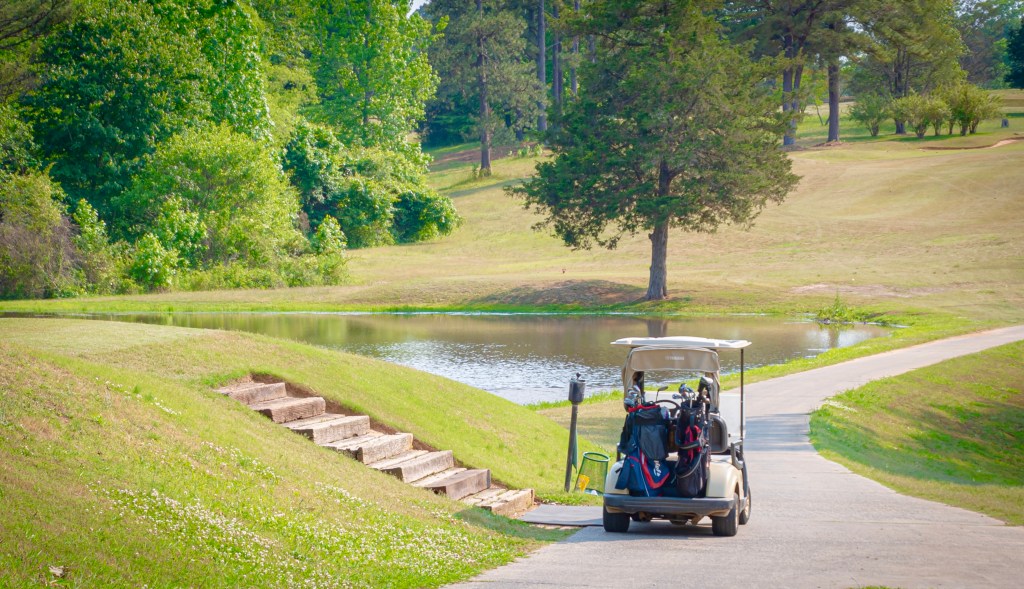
<point x="255" y="392"/>
<point x="461" y="484"/>
<point x="427" y="480"/>
<point x="374" y="448"/>
<point x="350" y="445"/>
<point x="397" y="459"/>
<point x="331" y="427"/>
<point x="419" y="466"/>
<point x="484" y="496"/>
<point x="291" y="408"/>
<point x="509" y="503"/>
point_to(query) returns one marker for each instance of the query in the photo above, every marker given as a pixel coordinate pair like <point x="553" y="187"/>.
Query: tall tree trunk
<point x="657" y="284"/>
<point x="556" y="65"/>
<point x="899" y="86"/>
<point x="573" y="86"/>
<point x="485" y="107"/>
<point x="542" y="61"/>
<point x="787" y="105"/>
<point x="833" y="101"/>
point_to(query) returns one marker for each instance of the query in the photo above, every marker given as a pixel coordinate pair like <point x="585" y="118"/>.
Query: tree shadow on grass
<point x="568" y="293"/>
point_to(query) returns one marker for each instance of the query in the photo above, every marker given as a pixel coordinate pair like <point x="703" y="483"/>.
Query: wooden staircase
<point x="395" y="453"/>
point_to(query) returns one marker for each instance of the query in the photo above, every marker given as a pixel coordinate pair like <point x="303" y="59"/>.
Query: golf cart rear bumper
<point x="668" y="506"/>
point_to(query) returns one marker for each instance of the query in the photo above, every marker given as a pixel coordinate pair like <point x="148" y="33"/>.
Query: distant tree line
<point x="153" y="144"/>
<point x="887" y="48"/>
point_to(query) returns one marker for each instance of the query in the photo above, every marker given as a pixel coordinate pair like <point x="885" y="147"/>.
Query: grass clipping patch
<point x="953" y="432"/>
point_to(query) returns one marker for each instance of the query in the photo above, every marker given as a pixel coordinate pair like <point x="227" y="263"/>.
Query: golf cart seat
<point x="718" y="436"/>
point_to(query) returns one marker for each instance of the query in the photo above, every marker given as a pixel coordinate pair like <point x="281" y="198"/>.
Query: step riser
<point x="419" y="468"/>
<point x="519" y="504"/>
<point x="311" y="407"/>
<point x="381" y="451"/>
<point x="463" y="484"/>
<point x="335" y="432"/>
<point x="259" y="393"/>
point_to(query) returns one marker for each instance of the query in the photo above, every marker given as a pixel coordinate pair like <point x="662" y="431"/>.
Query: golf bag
<point x="643" y="443"/>
<point x="693" y="468"/>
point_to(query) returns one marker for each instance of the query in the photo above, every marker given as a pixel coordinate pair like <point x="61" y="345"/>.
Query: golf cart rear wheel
<point x="729" y="524"/>
<point x="745" y="514"/>
<point x="616" y="522"/>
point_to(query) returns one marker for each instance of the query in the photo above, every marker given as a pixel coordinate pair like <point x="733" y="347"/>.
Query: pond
<point x="523" y="358"/>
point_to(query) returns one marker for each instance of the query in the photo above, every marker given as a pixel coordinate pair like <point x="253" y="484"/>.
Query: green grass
<point x="122" y="465"/>
<point x="953" y="432"/>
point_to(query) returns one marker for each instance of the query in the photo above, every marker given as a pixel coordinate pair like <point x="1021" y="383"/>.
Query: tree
<point x="483" y="59"/>
<point x="107" y="99"/>
<point x="793" y="30"/>
<point x="984" y="26"/>
<point x="374" y="74"/>
<point x="23" y="23"/>
<point x="224" y="182"/>
<point x="915" y="47"/>
<point x="1015" y="56"/>
<point x="37" y="257"/>
<point x="676" y="128"/>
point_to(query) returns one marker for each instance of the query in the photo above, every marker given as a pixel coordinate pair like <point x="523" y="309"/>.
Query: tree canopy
<point x="676" y="129"/>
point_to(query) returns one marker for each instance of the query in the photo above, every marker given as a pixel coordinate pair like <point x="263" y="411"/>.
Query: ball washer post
<point x="577" y="386"/>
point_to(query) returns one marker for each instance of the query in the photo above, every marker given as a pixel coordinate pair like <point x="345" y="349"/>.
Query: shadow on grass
<point x="587" y="293"/>
<point x="510" y="527"/>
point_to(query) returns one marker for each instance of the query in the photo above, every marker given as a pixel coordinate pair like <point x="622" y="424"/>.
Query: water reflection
<point x="524" y="358"/>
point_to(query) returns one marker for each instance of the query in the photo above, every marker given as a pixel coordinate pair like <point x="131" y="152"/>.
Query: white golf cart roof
<point x="682" y="341"/>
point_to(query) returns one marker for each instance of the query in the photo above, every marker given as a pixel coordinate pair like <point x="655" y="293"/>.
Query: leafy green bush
<point x="870" y="110"/>
<point x="104" y="266"/>
<point x="329" y="238"/>
<point x="17" y="148"/>
<point x="37" y="255"/>
<point x="377" y="196"/>
<point x="423" y="215"/>
<point x="153" y="265"/>
<point x="969" y="105"/>
<point x="223" y="181"/>
<point x="911" y="109"/>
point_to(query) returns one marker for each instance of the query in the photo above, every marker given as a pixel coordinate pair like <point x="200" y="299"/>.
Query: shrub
<point x="870" y="110"/>
<point x="912" y="110"/>
<point x="422" y="215"/>
<point x="37" y="255"/>
<point x="17" y="148"/>
<point x="969" y="105"/>
<point x="103" y="265"/>
<point x="153" y="265"/>
<point x="329" y="238"/>
<point x="223" y="181"/>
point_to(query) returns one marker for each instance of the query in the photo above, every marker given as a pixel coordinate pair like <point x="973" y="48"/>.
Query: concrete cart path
<point x="813" y="524"/>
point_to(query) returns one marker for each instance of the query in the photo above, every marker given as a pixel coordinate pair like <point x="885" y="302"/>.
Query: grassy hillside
<point x="953" y="432"/>
<point x="124" y="467"/>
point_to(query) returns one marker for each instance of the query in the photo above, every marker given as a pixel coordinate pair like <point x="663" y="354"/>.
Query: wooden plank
<point x="258" y="393"/>
<point x="339" y="428"/>
<point x="419" y="467"/>
<point x="383" y="447"/>
<point x="291" y="408"/>
<point x="397" y="459"/>
<point x="465" y="483"/>
<point x="427" y="480"/>
<point x="511" y="503"/>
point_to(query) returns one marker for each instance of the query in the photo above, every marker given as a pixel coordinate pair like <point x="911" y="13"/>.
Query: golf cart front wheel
<point x="616" y="522"/>
<point x="727" y="525"/>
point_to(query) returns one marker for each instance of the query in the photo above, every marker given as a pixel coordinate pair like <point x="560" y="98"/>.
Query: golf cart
<point x="679" y="456"/>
